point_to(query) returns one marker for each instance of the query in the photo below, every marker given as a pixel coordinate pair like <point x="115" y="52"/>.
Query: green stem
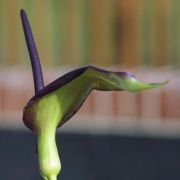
<point x="52" y="178"/>
<point x="49" y="161"/>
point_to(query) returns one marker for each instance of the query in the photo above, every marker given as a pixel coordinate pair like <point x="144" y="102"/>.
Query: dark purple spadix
<point x="35" y="62"/>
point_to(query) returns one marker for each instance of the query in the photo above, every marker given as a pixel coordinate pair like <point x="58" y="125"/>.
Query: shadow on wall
<point x="93" y="157"/>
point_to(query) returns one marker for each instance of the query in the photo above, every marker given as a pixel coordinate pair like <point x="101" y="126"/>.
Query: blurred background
<point x="120" y="136"/>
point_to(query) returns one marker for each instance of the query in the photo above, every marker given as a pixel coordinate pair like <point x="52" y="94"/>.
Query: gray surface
<point x="93" y="157"/>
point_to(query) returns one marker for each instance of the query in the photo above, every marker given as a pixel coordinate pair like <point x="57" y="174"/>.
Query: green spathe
<point x="45" y="114"/>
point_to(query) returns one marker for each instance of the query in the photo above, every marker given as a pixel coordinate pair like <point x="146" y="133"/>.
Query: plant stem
<point x="53" y="178"/>
<point x="49" y="161"/>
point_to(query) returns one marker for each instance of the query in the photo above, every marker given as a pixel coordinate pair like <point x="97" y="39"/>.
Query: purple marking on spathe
<point x="122" y="74"/>
<point x="35" y="62"/>
<point x="58" y="83"/>
<point x="68" y="77"/>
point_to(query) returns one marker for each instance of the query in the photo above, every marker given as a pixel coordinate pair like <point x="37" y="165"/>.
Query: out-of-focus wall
<point x="141" y="36"/>
<point x="105" y="32"/>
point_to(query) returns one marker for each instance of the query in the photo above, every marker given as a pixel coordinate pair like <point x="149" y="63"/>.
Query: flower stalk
<point x="49" y="161"/>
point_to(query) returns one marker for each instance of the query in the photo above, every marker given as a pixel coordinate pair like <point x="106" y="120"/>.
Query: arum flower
<point x="54" y="104"/>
